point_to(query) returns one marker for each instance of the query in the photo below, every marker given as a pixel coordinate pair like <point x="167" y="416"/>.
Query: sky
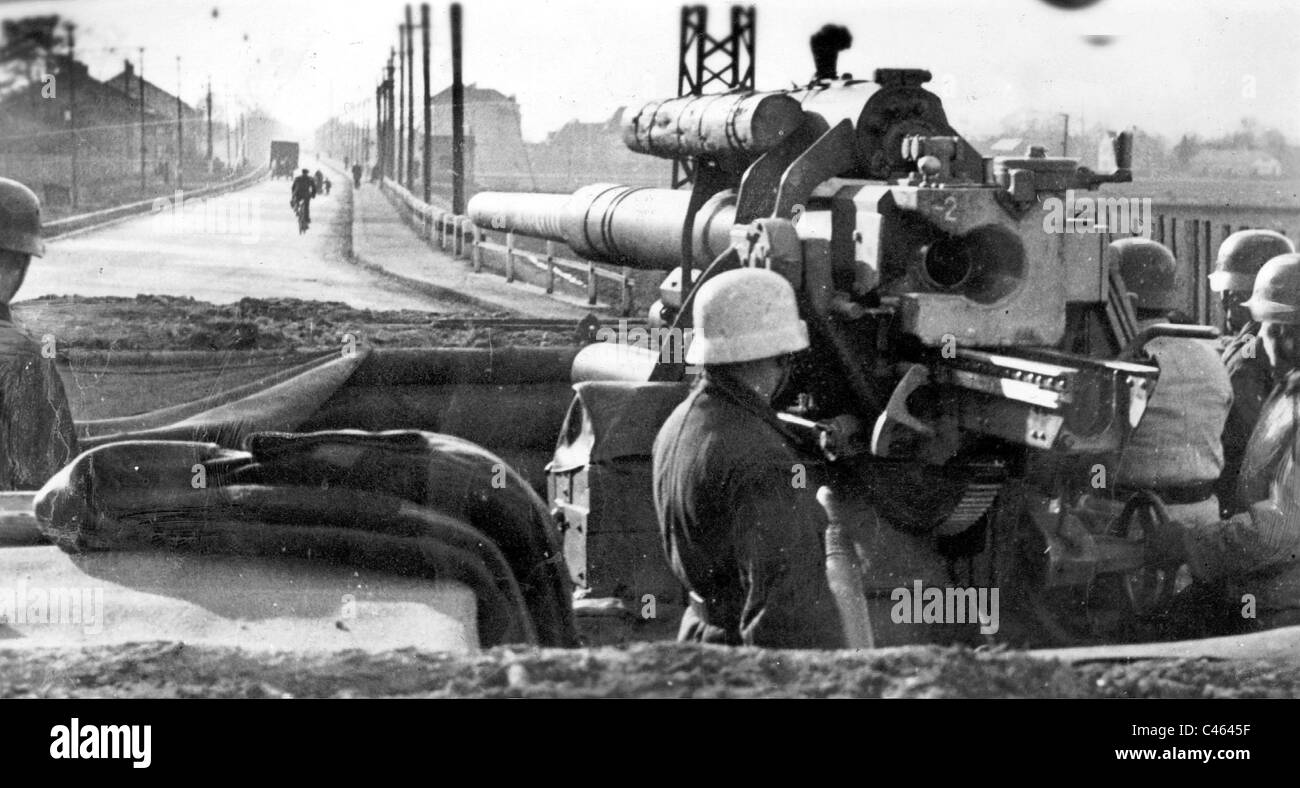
<point x="1170" y="67"/>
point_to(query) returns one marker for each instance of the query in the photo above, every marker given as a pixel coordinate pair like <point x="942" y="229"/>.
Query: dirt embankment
<point x="638" y="670"/>
<point x="151" y="322"/>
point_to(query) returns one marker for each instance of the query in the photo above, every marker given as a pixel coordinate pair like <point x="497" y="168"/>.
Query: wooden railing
<point x="1194" y="232"/>
<point x="457" y="234"/>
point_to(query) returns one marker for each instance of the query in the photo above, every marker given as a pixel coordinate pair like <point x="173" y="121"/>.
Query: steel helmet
<point x="20" y="219"/>
<point x="1148" y="270"/>
<point x="1276" y="297"/>
<point x="1241" y="256"/>
<point x="745" y="315"/>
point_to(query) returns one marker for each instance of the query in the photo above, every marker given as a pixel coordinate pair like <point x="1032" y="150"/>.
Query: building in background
<point x="42" y="121"/>
<point x="498" y="158"/>
<point x="1235" y="164"/>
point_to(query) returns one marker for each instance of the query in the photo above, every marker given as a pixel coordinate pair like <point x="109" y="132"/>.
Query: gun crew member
<point x="1240" y="258"/>
<point x="1175" y="450"/>
<point x="37" y="436"/>
<point x="1252" y="561"/>
<point x="739" y="531"/>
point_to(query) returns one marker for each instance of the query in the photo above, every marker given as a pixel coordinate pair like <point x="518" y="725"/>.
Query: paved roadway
<point x="245" y="243"/>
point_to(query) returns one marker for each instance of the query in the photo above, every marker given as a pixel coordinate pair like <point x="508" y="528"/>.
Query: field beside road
<point x="244" y="341"/>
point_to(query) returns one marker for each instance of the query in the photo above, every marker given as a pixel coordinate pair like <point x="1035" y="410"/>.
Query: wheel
<point x="1034" y="614"/>
<point x="1149" y="589"/>
<point x="1037" y="614"/>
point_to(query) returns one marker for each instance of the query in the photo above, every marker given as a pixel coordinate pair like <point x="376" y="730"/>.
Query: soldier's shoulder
<point x="16" y="342"/>
<point x="1245" y="352"/>
<point x="1291" y="383"/>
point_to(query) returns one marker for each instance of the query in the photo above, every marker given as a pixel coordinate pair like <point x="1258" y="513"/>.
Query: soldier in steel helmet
<point x="37" y="437"/>
<point x="1240" y="258"/>
<point x="1175" y="451"/>
<point x="1251" y="562"/>
<point x="742" y="537"/>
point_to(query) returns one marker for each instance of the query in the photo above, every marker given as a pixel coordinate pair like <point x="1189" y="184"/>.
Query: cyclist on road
<point x="302" y="191"/>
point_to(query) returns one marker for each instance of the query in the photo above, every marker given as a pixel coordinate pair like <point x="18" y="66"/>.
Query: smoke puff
<point x="832" y="37"/>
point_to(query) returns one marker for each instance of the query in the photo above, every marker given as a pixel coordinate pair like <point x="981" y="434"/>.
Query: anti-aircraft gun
<point x="966" y="368"/>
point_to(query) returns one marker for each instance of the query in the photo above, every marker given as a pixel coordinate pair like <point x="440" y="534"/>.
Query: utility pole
<point x="379" y="124"/>
<point x="399" y="174"/>
<point x="1065" y="135"/>
<point x="144" y="186"/>
<point x="390" y="142"/>
<point x="410" y="101"/>
<point x="180" y="132"/>
<point x="426" y="173"/>
<point x="209" y="124"/>
<point x="72" y="108"/>
<point x="225" y="121"/>
<point x="457" y="117"/>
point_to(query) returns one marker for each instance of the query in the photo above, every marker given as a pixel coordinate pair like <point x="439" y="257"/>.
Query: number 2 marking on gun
<point x="948" y="209"/>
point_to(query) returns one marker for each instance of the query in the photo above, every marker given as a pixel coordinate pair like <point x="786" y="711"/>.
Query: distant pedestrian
<point x="357" y="172"/>
<point x="37" y="436"/>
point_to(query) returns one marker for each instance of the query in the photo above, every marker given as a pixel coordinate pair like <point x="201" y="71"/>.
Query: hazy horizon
<point x="303" y="61"/>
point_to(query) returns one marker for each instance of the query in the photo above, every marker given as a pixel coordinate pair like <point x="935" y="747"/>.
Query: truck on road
<point x="284" y="158"/>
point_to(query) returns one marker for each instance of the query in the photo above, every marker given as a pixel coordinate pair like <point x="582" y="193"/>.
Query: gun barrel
<point x="739" y="125"/>
<point x="625" y="225"/>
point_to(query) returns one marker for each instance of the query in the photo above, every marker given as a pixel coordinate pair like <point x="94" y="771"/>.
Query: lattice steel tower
<point x="709" y="63"/>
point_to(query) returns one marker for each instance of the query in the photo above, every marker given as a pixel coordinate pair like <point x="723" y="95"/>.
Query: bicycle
<point x="299" y="210"/>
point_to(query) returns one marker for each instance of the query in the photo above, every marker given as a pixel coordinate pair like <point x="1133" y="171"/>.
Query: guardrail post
<point x="627" y="293"/>
<point x="510" y="257"/>
<point x="476" y="252"/>
<point x="442" y="230"/>
<point x="550" y="267"/>
<point x="460" y="236"/>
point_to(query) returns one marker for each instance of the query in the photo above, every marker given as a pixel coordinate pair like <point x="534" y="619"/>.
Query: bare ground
<point x="638" y="670"/>
<point x="153" y="322"/>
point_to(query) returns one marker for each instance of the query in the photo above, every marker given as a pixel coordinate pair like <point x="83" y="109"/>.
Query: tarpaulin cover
<point x="516" y="389"/>
<point x="363" y="493"/>
<point x="413" y="503"/>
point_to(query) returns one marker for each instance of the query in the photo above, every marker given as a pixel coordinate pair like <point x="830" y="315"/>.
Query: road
<point x="242" y="244"/>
